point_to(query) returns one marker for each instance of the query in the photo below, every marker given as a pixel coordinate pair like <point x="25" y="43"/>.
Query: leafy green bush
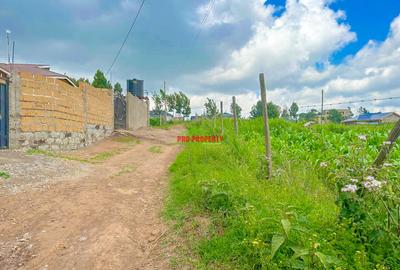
<point x="303" y="218"/>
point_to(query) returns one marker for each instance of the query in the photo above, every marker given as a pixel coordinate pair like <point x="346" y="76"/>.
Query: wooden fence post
<point x="222" y="118"/>
<point x="235" y="120"/>
<point x="266" y="125"/>
<point x="388" y="145"/>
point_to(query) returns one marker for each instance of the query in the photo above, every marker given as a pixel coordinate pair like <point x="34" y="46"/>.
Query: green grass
<point x="259" y="224"/>
<point x="4" y="175"/>
<point x="155" y="149"/>
<point x="130" y="140"/>
<point x="126" y="169"/>
<point x="103" y="156"/>
<point x="97" y="158"/>
<point x="155" y="122"/>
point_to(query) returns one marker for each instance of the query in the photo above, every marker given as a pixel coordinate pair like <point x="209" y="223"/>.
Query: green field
<point x="300" y="219"/>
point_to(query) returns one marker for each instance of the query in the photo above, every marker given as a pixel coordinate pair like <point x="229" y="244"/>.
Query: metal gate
<point x="119" y="111"/>
<point x="3" y="116"/>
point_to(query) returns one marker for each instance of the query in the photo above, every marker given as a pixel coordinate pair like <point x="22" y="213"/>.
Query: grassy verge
<point x="97" y="158"/>
<point x="293" y="221"/>
<point x="155" y="122"/>
<point x="155" y="149"/>
<point x="4" y="175"/>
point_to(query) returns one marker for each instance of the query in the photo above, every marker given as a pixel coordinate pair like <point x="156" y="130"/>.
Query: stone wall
<point x="50" y="114"/>
<point x="137" y="112"/>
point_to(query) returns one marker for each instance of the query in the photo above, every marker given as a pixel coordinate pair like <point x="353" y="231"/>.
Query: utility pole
<point x="268" y="155"/>
<point x="165" y="102"/>
<point x="222" y="118"/>
<point x="8" y="32"/>
<point x="13" y="52"/>
<point x="235" y="120"/>
<point x="322" y="105"/>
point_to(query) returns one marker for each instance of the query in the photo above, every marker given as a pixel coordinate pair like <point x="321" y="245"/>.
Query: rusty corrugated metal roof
<point x="43" y="70"/>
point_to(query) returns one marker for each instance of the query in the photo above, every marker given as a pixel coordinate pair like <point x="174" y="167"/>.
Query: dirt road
<point x="107" y="217"/>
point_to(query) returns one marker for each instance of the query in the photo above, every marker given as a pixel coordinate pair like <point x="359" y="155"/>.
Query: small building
<point x="154" y="114"/>
<point x="39" y="70"/>
<point x="179" y="117"/>
<point x="227" y="115"/>
<point x="346" y="114"/>
<point x="373" y="118"/>
<point x="45" y="110"/>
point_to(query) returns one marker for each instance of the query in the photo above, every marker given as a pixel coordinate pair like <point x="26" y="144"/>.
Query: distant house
<point x="179" y="117"/>
<point x="41" y="70"/>
<point x="346" y="113"/>
<point x="373" y="118"/>
<point x="194" y="117"/>
<point x="153" y="114"/>
<point x="228" y="115"/>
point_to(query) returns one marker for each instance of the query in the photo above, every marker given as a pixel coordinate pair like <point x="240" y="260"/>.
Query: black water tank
<point x="135" y="87"/>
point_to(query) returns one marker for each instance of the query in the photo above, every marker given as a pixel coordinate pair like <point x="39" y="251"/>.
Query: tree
<point x="256" y="110"/>
<point x="335" y="116"/>
<point x="351" y="113"/>
<point x="285" y="114"/>
<point x="309" y="116"/>
<point x="294" y="108"/>
<point x="185" y="101"/>
<point x="157" y="103"/>
<point x="178" y="102"/>
<point x="100" y="81"/>
<point x="77" y="81"/>
<point x="362" y="110"/>
<point x="211" y="108"/>
<point x="273" y="110"/>
<point x="118" y="88"/>
<point x="238" y="110"/>
<point x="171" y="102"/>
<point x="164" y="100"/>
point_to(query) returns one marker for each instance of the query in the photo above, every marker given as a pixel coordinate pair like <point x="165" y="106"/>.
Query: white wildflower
<point x="387" y="165"/>
<point x="323" y="164"/>
<point x="349" y="188"/>
<point x="387" y="143"/>
<point x="362" y="137"/>
<point x="353" y="180"/>
<point x="372" y="184"/>
<point x="370" y="178"/>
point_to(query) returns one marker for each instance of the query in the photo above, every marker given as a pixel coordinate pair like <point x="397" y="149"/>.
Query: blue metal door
<point x="3" y="116"/>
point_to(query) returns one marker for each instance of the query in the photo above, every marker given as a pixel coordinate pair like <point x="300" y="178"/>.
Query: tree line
<point x="99" y="81"/>
<point x="275" y="111"/>
<point x="176" y="103"/>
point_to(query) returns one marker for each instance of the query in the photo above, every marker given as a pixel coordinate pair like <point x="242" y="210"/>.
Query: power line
<point x="126" y="37"/>
<point x="350" y="102"/>
<point x="205" y="18"/>
<point x="203" y="21"/>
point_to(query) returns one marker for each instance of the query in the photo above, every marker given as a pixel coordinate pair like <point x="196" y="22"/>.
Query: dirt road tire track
<point x="108" y="219"/>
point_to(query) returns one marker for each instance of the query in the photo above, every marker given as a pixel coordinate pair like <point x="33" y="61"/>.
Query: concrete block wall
<point x="137" y="112"/>
<point x="50" y="114"/>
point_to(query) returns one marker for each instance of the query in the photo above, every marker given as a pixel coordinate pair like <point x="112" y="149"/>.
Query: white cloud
<point x="231" y="12"/>
<point x="287" y="48"/>
<point x="306" y="33"/>
<point x="245" y="101"/>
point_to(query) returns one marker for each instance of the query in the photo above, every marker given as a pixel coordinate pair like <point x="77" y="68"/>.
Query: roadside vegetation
<point x="4" y="175"/>
<point x="155" y="122"/>
<point x="324" y="208"/>
<point x="125" y="141"/>
<point x="156" y="149"/>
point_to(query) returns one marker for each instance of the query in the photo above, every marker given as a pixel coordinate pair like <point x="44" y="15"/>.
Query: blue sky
<point x="351" y="48"/>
